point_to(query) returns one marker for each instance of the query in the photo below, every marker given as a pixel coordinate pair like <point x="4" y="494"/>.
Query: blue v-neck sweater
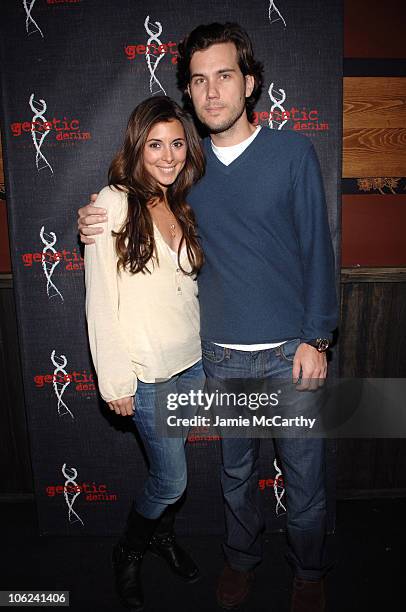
<point x="269" y="265"/>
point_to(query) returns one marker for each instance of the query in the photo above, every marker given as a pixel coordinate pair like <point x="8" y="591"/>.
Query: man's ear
<point x="249" y="85"/>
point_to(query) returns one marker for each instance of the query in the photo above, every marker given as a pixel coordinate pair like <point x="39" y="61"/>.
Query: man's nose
<point x="212" y="89"/>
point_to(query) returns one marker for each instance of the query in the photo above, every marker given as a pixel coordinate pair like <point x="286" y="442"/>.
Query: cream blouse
<point x="142" y="326"/>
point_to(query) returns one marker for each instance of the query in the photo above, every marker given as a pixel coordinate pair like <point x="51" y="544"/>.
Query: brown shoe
<point x="308" y="596"/>
<point x="233" y="587"/>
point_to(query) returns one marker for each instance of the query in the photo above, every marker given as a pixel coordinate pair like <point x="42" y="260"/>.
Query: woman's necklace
<point x="159" y="218"/>
<point x="172" y="226"/>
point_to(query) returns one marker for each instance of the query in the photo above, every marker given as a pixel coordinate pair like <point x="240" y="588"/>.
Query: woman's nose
<point x="167" y="154"/>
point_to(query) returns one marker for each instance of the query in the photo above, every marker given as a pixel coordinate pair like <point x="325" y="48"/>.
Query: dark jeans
<point x="303" y="467"/>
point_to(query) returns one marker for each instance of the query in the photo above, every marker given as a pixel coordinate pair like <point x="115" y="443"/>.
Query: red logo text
<point x="64" y="129"/>
<point x="132" y="51"/>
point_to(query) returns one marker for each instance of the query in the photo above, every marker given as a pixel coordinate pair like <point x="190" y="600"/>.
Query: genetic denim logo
<point x="300" y="120"/>
<point x="83" y="380"/>
<point x="46" y="132"/>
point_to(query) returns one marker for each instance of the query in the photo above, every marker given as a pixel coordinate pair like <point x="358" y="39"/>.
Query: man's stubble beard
<point x="228" y="124"/>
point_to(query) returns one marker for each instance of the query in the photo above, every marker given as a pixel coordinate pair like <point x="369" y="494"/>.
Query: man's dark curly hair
<point x="205" y="36"/>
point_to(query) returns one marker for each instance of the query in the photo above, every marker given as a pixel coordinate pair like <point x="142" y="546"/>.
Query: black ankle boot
<point x="127" y="565"/>
<point x="127" y="557"/>
<point x="163" y="544"/>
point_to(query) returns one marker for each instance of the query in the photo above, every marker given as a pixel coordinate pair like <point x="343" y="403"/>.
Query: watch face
<point x="322" y="344"/>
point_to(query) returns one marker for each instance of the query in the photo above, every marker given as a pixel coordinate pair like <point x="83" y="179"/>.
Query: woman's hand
<point x="123" y="406"/>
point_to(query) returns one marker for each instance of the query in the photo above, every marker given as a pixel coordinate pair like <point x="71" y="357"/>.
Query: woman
<point x="143" y="317"/>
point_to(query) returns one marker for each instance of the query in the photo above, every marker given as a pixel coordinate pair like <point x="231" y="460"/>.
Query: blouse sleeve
<point x="111" y="358"/>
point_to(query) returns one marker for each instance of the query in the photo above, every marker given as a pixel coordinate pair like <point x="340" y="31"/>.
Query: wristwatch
<point x="321" y="344"/>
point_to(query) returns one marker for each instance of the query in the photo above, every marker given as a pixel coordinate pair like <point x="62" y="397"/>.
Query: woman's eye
<point x="154" y="145"/>
<point x="178" y="145"/>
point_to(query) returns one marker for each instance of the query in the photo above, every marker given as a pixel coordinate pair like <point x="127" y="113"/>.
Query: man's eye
<point x="225" y="76"/>
<point x="199" y="81"/>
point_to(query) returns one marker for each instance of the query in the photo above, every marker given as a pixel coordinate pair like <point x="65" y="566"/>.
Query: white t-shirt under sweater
<point x="227" y="155"/>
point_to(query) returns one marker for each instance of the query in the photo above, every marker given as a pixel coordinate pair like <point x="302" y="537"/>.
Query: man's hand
<point x="123" y="406"/>
<point x="89" y="215"/>
<point x="313" y="366"/>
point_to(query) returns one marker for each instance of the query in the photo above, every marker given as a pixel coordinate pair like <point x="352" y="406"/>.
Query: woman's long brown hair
<point x="135" y="244"/>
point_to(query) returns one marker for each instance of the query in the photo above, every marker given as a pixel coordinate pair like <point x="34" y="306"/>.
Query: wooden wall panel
<point x="374" y="152"/>
<point x="374" y="102"/>
<point x="373" y="325"/>
<point x="374" y="126"/>
<point x="373" y="28"/>
<point x="373" y="230"/>
<point x="372" y="344"/>
<point x="371" y="468"/>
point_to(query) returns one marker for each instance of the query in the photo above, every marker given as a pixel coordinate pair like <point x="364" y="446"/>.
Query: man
<point x="267" y="295"/>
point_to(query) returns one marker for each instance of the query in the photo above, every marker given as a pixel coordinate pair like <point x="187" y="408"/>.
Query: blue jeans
<point x="303" y="467"/>
<point x="167" y="475"/>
